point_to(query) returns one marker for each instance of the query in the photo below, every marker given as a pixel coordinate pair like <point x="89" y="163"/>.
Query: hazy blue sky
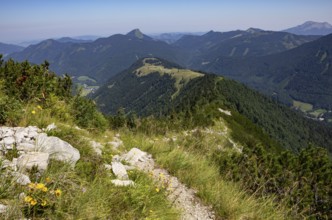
<point x="22" y="20"/>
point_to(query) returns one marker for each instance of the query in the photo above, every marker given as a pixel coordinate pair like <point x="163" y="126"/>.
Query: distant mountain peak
<point x="311" y="28"/>
<point x="210" y="33"/>
<point x="254" y="30"/>
<point x="71" y="40"/>
<point x="137" y="33"/>
<point x="326" y="24"/>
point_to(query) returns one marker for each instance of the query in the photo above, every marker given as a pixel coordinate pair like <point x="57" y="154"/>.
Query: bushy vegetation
<point x="33" y="95"/>
<point x="27" y="89"/>
<point x="301" y="182"/>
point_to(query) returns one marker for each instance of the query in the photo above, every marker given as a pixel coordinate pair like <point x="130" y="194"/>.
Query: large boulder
<point x="33" y="159"/>
<point x="57" y="149"/>
<point x="138" y="158"/>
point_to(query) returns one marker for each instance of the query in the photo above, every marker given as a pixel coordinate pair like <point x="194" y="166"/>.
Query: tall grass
<point x="188" y="158"/>
<point x="87" y="191"/>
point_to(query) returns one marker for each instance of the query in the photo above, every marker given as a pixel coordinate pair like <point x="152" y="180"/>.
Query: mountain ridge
<point x="311" y="28"/>
<point x="7" y="49"/>
<point x="288" y="72"/>
<point x="110" y="55"/>
<point x="117" y="52"/>
<point x="153" y="94"/>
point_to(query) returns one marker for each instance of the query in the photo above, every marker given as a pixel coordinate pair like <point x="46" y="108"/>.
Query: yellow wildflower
<point x="39" y="107"/>
<point x="44" y="203"/>
<point x="32" y="185"/>
<point x="161" y="176"/>
<point x="44" y="189"/>
<point x="40" y="186"/>
<point x="58" y="192"/>
<point x="151" y="211"/>
<point x="48" y="180"/>
<point x="33" y="202"/>
<point x="33" y="112"/>
<point x="28" y="199"/>
<point x="157" y="189"/>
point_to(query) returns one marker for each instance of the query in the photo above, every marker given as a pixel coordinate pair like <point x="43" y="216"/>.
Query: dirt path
<point x="179" y="195"/>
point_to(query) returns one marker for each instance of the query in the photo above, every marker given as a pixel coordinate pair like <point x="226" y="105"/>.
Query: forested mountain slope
<point x="157" y="87"/>
<point x="100" y="59"/>
<point x="303" y="73"/>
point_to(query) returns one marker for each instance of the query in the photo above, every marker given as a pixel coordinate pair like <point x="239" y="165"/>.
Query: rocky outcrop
<point x="57" y="148"/>
<point x="30" y="147"/>
<point x="33" y="159"/>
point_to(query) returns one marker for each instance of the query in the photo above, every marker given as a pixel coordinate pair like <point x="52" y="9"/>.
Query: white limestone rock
<point x="116" y="158"/>
<point x="97" y="147"/>
<point x="108" y="167"/>
<point x="117" y="182"/>
<point x="38" y="159"/>
<point x="6" y="132"/>
<point x="119" y="171"/>
<point x="3" y="208"/>
<point x="57" y="149"/>
<point x="127" y="167"/>
<point x="50" y="127"/>
<point x="138" y="158"/>
<point x="20" y="135"/>
<point x="21" y="179"/>
<point x="26" y="147"/>
<point x="9" y="141"/>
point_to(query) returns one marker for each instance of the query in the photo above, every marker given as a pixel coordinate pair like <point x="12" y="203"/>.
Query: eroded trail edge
<point x="179" y="195"/>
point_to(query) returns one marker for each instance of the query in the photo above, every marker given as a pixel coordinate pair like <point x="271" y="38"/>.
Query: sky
<point x="25" y="20"/>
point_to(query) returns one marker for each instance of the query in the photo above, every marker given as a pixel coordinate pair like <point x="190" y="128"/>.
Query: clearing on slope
<point x="181" y="76"/>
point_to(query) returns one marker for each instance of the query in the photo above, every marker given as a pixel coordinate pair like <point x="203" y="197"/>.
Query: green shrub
<point x="10" y="110"/>
<point x="86" y="114"/>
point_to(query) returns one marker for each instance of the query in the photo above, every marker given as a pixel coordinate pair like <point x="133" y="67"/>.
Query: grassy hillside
<point x="231" y="163"/>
